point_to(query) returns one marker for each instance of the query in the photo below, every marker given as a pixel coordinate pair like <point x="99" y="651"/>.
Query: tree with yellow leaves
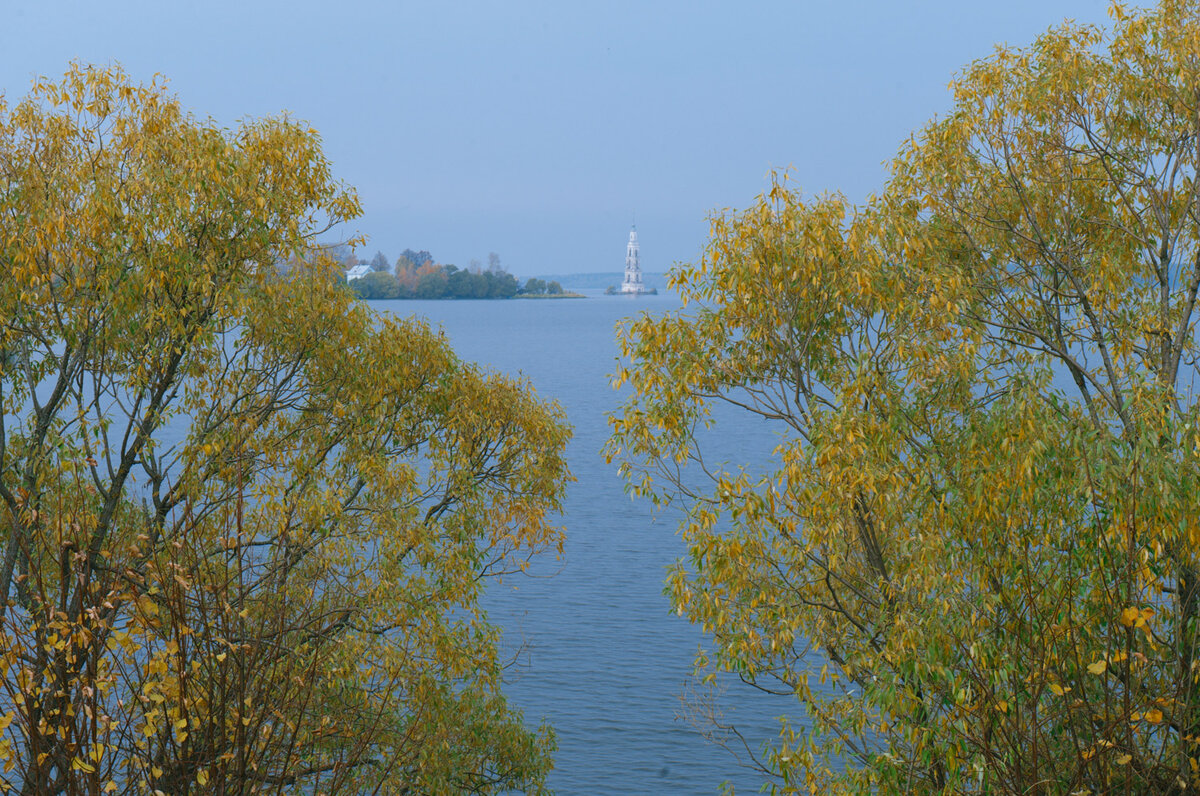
<point x="246" y="522"/>
<point x="974" y="562"/>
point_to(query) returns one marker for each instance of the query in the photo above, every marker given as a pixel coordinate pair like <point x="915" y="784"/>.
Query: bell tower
<point x="633" y="269"/>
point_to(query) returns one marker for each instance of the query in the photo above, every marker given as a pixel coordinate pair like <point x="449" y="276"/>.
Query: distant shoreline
<point x="598" y="280"/>
<point x="566" y="295"/>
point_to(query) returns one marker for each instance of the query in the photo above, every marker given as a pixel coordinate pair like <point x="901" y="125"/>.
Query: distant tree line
<point x="345" y="255"/>
<point x="540" y="287"/>
<point x="431" y="280"/>
<point x="415" y="275"/>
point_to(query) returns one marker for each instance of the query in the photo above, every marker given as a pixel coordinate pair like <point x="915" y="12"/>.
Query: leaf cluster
<point x="973" y="564"/>
<point x="246" y="522"/>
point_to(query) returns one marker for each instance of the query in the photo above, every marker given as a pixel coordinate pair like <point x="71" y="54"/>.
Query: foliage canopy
<point x="974" y="561"/>
<point x="246" y="522"/>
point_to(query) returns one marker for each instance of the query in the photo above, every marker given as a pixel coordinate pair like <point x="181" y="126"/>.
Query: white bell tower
<point x="633" y="269"/>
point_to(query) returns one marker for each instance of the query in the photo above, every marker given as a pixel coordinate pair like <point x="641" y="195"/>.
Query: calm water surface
<point x="606" y="659"/>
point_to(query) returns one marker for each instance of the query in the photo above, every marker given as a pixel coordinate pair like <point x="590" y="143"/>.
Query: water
<point x="606" y="660"/>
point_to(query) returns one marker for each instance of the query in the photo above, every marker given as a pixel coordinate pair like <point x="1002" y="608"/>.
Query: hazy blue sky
<point x="539" y="130"/>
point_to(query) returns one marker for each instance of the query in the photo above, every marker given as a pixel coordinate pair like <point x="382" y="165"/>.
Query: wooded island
<point x="415" y="275"/>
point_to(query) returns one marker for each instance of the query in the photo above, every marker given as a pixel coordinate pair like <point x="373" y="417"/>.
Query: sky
<point x="542" y="130"/>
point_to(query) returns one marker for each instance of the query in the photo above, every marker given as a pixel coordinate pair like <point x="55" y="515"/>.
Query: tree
<point x="465" y="284"/>
<point x="416" y="258"/>
<point x="376" y="285"/>
<point x="380" y="262"/>
<point x="246" y="521"/>
<point x="554" y="288"/>
<point x="500" y="284"/>
<point x="973" y="563"/>
<point x="406" y="277"/>
<point x="494" y="262"/>
<point x="534" y="286"/>
<point x="431" y="281"/>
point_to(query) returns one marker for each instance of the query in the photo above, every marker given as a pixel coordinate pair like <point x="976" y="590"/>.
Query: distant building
<point x="357" y="272"/>
<point x="633" y="269"/>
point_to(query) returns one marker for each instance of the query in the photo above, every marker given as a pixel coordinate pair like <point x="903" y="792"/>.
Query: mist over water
<point x="605" y="659"/>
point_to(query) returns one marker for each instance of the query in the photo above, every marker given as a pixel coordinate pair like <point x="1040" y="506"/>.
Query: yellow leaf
<point x="1154" y="715"/>
<point x="1098" y="667"/>
<point x="147" y="606"/>
<point x="1058" y="689"/>
<point x="1123" y="759"/>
